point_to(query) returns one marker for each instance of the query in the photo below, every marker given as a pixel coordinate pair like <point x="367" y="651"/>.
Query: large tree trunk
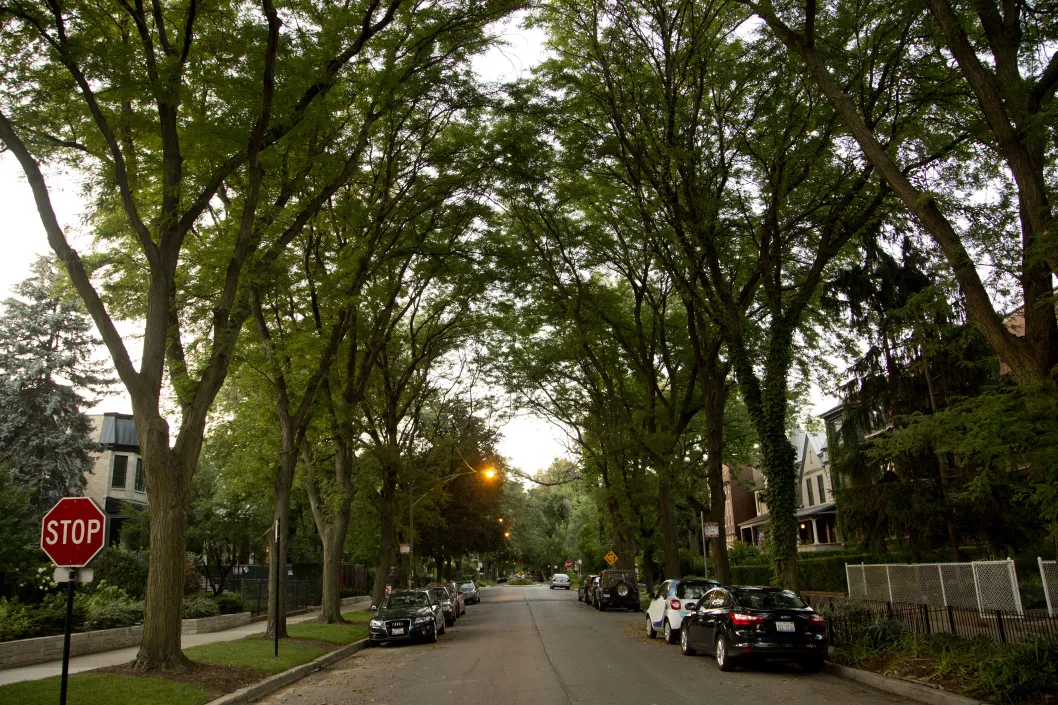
<point x="387" y="516"/>
<point x="333" y="545"/>
<point x="277" y="568"/>
<point x="715" y="394"/>
<point x="168" y="487"/>
<point x="669" y="533"/>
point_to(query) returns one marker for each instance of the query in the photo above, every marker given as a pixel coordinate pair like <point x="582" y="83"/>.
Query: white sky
<point x="530" y="442"/>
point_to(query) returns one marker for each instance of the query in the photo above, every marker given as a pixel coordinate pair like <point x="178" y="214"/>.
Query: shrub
<point x="14" y="620"/>
<point x="741" y="553"/>
<point x="49" y="616"/>
<point x="228" y="602"/>
<point x="123" y="568"/>
<point x="192" y="578"/>
<point x="199" y="607"/>
<point x="751" y="574"/>
<point x="1020" y="672"/>
<point x="111" y="615"/>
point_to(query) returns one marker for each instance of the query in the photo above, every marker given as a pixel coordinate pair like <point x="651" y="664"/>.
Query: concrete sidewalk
<point x="120" y="656"/>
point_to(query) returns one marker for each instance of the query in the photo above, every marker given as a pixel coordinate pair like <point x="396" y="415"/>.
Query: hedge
<point x="824" y="574"/>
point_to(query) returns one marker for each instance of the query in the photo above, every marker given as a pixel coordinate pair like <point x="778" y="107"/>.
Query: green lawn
<point x="359" y="617"/>
<point x="104" y="689"/>
<point x="255" y="653"/>
<point x="331" y="633"/>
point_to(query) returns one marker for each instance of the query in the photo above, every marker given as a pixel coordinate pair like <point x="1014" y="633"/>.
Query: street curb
<point x="902" y="687"/>
<point x="281" y="680"/>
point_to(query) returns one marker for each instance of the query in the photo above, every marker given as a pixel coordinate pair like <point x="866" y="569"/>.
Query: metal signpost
<point x="71" y="534"/>
<point x="710" y="530"/>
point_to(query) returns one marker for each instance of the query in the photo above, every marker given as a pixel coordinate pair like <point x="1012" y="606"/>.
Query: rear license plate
<point x="398" y="630"/>
<point x="785" y="627"/>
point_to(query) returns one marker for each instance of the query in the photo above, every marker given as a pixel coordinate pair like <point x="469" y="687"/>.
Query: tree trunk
<point x="669" y="533"/>
<point x="277" y="563"/>
<point x="168" y="487"/>
<point x="625" y="548"/>
<point x="715" y="393"/>
<point x="277" y="560"/>
<point x="333" y="545"/>
<point x="387" y="516"/>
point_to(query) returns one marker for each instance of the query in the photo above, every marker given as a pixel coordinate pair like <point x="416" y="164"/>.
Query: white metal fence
<point x="982" y="585"/>
<point x="1049" y="574"/>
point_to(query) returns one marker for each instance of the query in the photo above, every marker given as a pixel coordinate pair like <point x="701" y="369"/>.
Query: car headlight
<point x="377" y="623"/>
<point x="447" y="603"/>
<point x="423" y="620"/>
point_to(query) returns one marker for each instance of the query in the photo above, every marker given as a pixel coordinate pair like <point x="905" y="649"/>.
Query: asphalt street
<point x="536" y="646"/>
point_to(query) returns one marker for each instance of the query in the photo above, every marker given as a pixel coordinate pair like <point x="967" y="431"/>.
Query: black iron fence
<point x="850" y="620"/>
<point x="299" y="594"/>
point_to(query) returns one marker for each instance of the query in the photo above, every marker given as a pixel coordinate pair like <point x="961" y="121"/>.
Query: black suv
<point x="617" y="588"/>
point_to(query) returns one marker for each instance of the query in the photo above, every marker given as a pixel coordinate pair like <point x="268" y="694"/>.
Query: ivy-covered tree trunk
<point x="715" y="397"/>
<point x="669" y="534"/>
<point x="387" y="512"/>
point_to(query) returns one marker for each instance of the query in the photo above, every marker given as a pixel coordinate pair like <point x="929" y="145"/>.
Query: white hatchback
<point x="673" y="600"/>
<point x="561" y="581"/>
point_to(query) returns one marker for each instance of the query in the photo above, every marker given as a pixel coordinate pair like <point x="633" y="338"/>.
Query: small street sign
<point x="405" y="549"/>
<point x="712" y="530"/>
<point x="72" y="532"/>
<point x="569" y="564"/>
<point x="610" y="558"/>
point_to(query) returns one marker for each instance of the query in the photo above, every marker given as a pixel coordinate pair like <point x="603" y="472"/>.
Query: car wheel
<point x="602" y="607"/>
<point x="579" y="597"/>
<point x="432" y="639"/>
<point x="441" y="629"/>
<point x="723" y="657"/>
<point x="652" y="633"/>
<point x="685" y="645"/>
<point x="814" y="664"/>
<point x="671" y="635"/>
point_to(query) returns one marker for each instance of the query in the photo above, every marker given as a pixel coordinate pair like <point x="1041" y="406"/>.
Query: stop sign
<point x="72" y="532"/>
<point x="569" y="564"/>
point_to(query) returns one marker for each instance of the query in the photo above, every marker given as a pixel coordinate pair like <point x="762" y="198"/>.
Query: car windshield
<point x="439" y="594"/>
<point x="402" y="600"/>
<point x="466" y="586"/>
<point x="561" y="576"/>
<point x="615" y="577"/>
<point x="769" y="599"/>
<point x="693" y="591"/>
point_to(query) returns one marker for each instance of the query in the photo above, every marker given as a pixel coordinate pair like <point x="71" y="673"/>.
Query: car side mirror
<point x="692" y="605"/>
<point x="374" y="608"/>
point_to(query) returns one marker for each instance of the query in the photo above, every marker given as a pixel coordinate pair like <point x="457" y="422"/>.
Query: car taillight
<point x="674" y="604"/>
<point x="745" y="620"/>
<point x="816" y="620"/>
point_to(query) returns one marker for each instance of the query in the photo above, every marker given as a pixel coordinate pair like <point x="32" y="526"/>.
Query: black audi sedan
<point x="739" y="624"/>
<point x="406" y="615"/>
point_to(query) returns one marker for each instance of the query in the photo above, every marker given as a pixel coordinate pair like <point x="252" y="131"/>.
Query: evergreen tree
<point x="47" y="375"/>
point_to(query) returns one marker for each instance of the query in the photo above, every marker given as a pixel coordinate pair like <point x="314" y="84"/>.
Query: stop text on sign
<point x="74" y="531"/>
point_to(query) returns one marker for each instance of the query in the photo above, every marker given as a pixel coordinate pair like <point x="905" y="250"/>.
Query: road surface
<point x="534" y="646"/>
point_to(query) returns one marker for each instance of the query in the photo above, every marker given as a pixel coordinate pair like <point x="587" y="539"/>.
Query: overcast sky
<point x="530" y="442"/>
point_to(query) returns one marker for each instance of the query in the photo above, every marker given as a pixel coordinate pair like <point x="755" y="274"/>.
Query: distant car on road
<point x="501" y="579"/>
<point x="560" y="581"/>
<point x="584" y="590"/>
<point x="406" y="615"/>
<point x="439" y="594"/>
<point x="674" y="600"/>
<point x="737" y="625"/>
<point x="617" y="588"/>
<point x="470" y="592"/>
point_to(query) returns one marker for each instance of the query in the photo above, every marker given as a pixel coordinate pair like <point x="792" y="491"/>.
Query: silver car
<point x="470" y="592"/>
<point x="561" y="582"/>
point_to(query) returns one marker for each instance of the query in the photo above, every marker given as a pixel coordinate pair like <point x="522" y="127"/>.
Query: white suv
<point x="560" y="580"/>
<point x="674" y="600"/>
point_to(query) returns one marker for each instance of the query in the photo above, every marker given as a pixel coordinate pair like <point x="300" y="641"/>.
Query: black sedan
<point x="448" y="610"/>
<point x="584" y="591"/>
<point x="740" y="624"/>
<point x="406" y="615"/>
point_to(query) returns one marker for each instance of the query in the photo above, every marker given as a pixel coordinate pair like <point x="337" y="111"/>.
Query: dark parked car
<point x="740" y="624"/>
<point x="439" y="594"/>
<point x="405" y="615"/>
<point x="617" y="588"/>
<point x="501" y="579"/>
<point x="584" y="591"/>
<point x="470" y="592"/>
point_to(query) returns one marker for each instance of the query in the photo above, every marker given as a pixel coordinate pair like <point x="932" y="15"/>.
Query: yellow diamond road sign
<point x="611" y="557"/>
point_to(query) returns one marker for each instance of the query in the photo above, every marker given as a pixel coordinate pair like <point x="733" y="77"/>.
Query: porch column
<point x="815" y="531"/>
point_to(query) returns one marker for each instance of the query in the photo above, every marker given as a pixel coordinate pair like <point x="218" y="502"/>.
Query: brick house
<point x="115" y="481"/>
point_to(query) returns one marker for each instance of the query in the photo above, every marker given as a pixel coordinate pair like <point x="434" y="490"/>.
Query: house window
<point x="804" y="532"/>
<point x="121" y="468"/>
<point x="139" y="475"/>
<point x="819" y="482"/>
<point x="811" y="499"/>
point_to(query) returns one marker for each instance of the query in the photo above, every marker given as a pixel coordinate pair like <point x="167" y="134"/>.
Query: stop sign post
<point x="72" y="533"/>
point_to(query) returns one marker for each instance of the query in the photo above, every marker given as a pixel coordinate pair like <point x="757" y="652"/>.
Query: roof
<point x="118" y="430"/>
<point x="825" y="508"/>
<point x="755" y="521"/>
